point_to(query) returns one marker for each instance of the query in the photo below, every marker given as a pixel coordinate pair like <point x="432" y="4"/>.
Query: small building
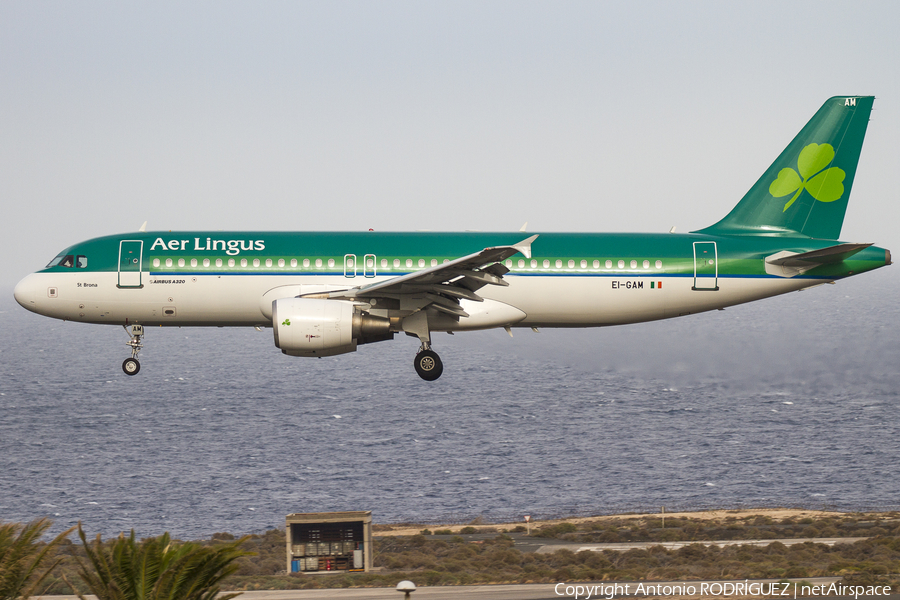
<point x="333" y="541"/>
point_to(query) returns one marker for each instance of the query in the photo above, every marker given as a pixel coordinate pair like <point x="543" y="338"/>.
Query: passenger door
<point x="130" y="260"/>
<point x="706" y="266"/>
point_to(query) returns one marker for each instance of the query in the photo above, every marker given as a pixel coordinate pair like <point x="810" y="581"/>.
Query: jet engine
<point x="316" y="327"/>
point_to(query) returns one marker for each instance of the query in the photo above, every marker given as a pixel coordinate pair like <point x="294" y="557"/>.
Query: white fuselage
<point x="528" y="301"/>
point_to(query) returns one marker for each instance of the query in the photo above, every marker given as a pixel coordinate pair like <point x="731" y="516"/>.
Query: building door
<point x="130" y="258"/>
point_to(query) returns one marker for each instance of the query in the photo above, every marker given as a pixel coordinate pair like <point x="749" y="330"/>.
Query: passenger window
<point x="509" y="264"/>
<point x="81" y="261"/>
<point x="546" y="264"/>
<point x="659" y="264"/>
<point x="168" y="262"/>
<point x="609" y="264"/>
<point x="230" y="262"/>
<point x="318" y="262"/>
<point x="634" y="264"/>
<point x="255" y="262"/>
<point x="533" y="264"/>
<point x="268" y="262"/>
<point x="433" y="262"/>
<point x="521" y="264"/>
<point x="156" y="262"/>
<point x="180" y="262"/>
<point x="646" y="264"/>
<point x="243" y="262"/>
<point x="584" y="264"/>
<point x="205" y="262"/>
<point x="559" y="264"/>
<point x="280" y="262"/>
<point x="218" y="262"/>
<point x="293" y="263"/>
<point x="384" y="263"/>
<point x="330" y="262"/>
<point x="421" y="262"/>
<point x="408" y="262"/>
<point x="396" y="262"/>
<point x="571" y="264"/>
<point x="305" y="262"/>
<point x="596" y="264"/>
<point x="621" y="264"/>
<point x="193" y="262"/>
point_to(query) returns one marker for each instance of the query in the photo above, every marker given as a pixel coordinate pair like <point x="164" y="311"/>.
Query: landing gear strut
<point x="427" y="363"/>
<point x="131" y="366"/>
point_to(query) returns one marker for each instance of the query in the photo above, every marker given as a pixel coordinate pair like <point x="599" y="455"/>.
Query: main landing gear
<point x="427" y="363"/>
<point x="132" y="366"/>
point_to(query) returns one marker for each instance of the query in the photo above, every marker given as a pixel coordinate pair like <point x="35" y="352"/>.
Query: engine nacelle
<point x="315" y="327"/>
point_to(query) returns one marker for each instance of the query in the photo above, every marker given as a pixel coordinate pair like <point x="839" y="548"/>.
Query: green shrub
<point x="156" y="568"/>
<point x="24" y="558"/>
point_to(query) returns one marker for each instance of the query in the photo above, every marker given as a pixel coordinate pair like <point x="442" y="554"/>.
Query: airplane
<point x="326" y="293"/>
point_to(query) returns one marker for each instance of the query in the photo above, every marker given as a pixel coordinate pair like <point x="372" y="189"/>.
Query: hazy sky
<point x="573" y="116"/>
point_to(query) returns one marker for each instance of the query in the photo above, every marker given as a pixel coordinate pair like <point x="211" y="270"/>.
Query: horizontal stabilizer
<point x="789" y="264"/>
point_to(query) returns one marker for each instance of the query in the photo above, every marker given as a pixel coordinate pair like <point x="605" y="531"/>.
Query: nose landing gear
<point x="132" y="366"/>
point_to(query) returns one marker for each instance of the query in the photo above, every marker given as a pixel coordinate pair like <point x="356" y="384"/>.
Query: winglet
<point x="524" y="227"/>
<point x="525" y="246"/>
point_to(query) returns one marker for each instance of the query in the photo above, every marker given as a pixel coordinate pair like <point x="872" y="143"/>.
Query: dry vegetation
<point x="450" y="558"/>
<point x="677" y="529"/>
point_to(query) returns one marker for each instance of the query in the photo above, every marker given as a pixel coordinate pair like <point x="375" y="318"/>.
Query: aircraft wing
<point x="442" y="286"/>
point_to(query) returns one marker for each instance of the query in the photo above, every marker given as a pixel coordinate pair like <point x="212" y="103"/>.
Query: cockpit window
<point x="69" y="261"/>
<point x="63" y="260"/>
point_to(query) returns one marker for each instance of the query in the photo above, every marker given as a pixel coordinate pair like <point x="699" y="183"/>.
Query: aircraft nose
<point x="26" y="293"/>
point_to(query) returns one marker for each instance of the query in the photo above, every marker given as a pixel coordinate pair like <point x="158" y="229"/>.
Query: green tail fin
<point x="806" y="189"/>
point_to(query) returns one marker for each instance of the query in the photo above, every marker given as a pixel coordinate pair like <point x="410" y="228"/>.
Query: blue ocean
<point x="788" y="401"/>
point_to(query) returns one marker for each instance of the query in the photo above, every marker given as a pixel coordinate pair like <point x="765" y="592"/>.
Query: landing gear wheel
<point x="428" y="365"/>
<point x="131" y="366"/>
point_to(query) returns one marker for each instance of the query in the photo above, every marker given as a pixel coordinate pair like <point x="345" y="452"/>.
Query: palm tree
<point x="156" y="568"/>
<point x="22" y="557"/>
